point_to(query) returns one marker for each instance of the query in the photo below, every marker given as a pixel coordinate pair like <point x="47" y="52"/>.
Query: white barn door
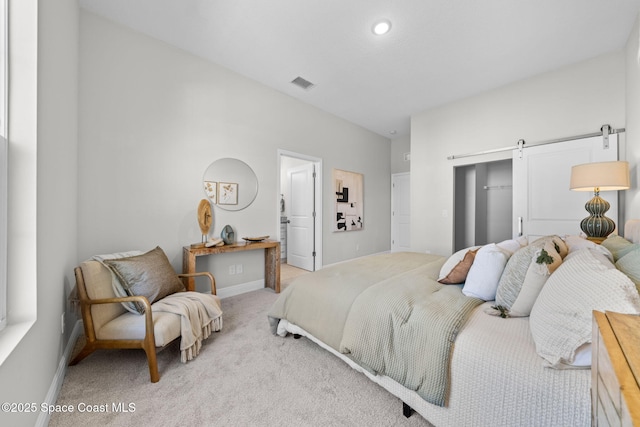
<point x="542" y="201"/>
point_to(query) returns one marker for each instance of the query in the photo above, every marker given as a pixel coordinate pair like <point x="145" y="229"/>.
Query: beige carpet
<point x="288" y="273"/>
<point x="244" y="376"/>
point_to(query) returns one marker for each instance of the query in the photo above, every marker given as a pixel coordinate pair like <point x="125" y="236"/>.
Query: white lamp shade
<point x="605" y="176"/>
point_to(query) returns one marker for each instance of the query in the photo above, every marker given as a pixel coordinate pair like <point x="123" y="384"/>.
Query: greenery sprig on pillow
<point x="544" y="257"/>
<point x="504" y="312"/>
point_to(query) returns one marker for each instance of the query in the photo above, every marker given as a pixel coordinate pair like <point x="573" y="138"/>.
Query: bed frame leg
<point x="407" y="410"/>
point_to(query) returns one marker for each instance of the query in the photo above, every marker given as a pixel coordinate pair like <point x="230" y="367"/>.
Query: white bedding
<point x="497" y="379"/>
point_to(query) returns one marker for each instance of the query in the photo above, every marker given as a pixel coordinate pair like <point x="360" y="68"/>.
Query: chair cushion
<point x="166" y="328"/>
<point x="150" y="275"/>
<point x="97" y="279"/>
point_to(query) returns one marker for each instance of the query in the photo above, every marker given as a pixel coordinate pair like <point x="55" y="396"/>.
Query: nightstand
<point x="615" y="370"/>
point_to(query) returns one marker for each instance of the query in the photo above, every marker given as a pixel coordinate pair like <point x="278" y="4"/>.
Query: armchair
<point x="109" y="325"/>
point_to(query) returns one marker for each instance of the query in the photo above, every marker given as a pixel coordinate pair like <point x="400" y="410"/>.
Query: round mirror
<point x="230" y="184"/>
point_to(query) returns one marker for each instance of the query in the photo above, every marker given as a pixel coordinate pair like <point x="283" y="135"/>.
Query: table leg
<point x="189" y="265"/>
<point x="272" y="268"/>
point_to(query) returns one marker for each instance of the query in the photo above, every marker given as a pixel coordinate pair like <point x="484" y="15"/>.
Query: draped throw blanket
<point x="200" y="315"/>
<point x="387" y="312"/>
<point x="406" y="331"/>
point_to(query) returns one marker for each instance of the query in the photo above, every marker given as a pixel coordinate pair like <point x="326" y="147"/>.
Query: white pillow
<point x="512" y="245"/>
<point x="484" y="274"/>
<point x="561" y="321"/>
<point x="575" y="243"/>
<point x="454" y="260"/>
<point x="597" y="251"/>
<point x="581" y="360"/>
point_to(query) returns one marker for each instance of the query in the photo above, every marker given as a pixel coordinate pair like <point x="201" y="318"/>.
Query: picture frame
<point x="349" y="201"/>
<point x="227" y="193"/>
<point x="211" y="190"/>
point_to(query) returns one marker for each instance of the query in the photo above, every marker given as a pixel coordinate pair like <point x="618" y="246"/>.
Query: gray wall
<point x="574" y="100"/>
<point x="153" y="117"/>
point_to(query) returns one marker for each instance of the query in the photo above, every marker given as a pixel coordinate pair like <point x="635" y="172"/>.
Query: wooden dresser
<point x="615" y="370"/>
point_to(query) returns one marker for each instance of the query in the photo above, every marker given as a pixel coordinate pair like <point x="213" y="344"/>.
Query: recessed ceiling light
<point x="381" y="27"/>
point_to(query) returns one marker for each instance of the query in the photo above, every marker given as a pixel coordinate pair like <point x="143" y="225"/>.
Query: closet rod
<point x="534" y="144"/>
<point x="498" y="187"/>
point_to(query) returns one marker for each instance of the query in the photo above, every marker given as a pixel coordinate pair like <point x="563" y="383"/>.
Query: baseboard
<point x="242" y="288"/>
<point x="58" y="379"/>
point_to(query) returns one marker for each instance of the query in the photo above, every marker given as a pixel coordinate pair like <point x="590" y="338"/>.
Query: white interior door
<point x="300" y="231"/>
<point x="542" y="201"/>
<point x="400" y="212"/>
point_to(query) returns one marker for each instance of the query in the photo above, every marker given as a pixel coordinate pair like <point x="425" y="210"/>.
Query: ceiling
<point x="437" y="51"/>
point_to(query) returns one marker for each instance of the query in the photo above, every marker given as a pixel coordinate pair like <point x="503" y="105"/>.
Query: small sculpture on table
<point x="228" y="235"/>
<point x="205" y="219"/>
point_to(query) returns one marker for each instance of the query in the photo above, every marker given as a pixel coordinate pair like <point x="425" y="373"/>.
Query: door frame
<point x="318" y="199"/>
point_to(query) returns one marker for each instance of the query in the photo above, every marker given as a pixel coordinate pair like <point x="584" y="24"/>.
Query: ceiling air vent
<point x="304" y="84"/>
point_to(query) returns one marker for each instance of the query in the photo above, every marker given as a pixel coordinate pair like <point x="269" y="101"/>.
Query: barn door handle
<point x="519" y="226"/>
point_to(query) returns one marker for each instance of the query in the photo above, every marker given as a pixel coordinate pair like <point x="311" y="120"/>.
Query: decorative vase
<point x="228" y="235"/>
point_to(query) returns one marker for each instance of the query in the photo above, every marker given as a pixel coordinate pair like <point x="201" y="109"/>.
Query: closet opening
<point x="483" y="203"/>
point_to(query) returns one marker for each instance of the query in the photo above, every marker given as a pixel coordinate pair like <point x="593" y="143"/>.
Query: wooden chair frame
<point x="147" y="343"/>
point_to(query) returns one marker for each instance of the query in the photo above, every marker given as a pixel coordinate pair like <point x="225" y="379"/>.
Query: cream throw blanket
<point x="200" y="315"/>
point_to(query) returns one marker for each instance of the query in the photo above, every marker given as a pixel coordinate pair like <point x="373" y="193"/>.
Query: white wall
<point x="574" y="100"/>
<point x="399" y="147"/>
<point x="632" y="196"/>
<point x="43" y="188"/>
<point x="153" y="117"/>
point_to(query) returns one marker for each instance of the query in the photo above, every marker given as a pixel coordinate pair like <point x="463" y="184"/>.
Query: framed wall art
<point x="211" y="190"/>
<point x="349" y="200"/>
<point x="227" y="193"/>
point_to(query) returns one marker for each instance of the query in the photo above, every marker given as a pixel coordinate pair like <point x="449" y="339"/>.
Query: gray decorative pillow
<point x="513" y="276"/>
<point x="115" y="282"/>
<point x="150" y="275"/>
<point x="618" y="246"/>
<point x="525" y="274"/>
<point x="629" y="264"/>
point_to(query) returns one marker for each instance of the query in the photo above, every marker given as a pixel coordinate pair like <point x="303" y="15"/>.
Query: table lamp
<point x="597" y="177"/>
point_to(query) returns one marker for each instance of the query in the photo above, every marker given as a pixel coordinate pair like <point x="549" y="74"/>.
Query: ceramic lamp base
<point x="597" y="225"/>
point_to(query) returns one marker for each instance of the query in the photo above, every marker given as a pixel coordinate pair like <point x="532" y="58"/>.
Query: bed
<point x="475" y="352"/>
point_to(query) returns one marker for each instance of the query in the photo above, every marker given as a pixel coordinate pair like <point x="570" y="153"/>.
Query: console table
<point x="271" y="259"/>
